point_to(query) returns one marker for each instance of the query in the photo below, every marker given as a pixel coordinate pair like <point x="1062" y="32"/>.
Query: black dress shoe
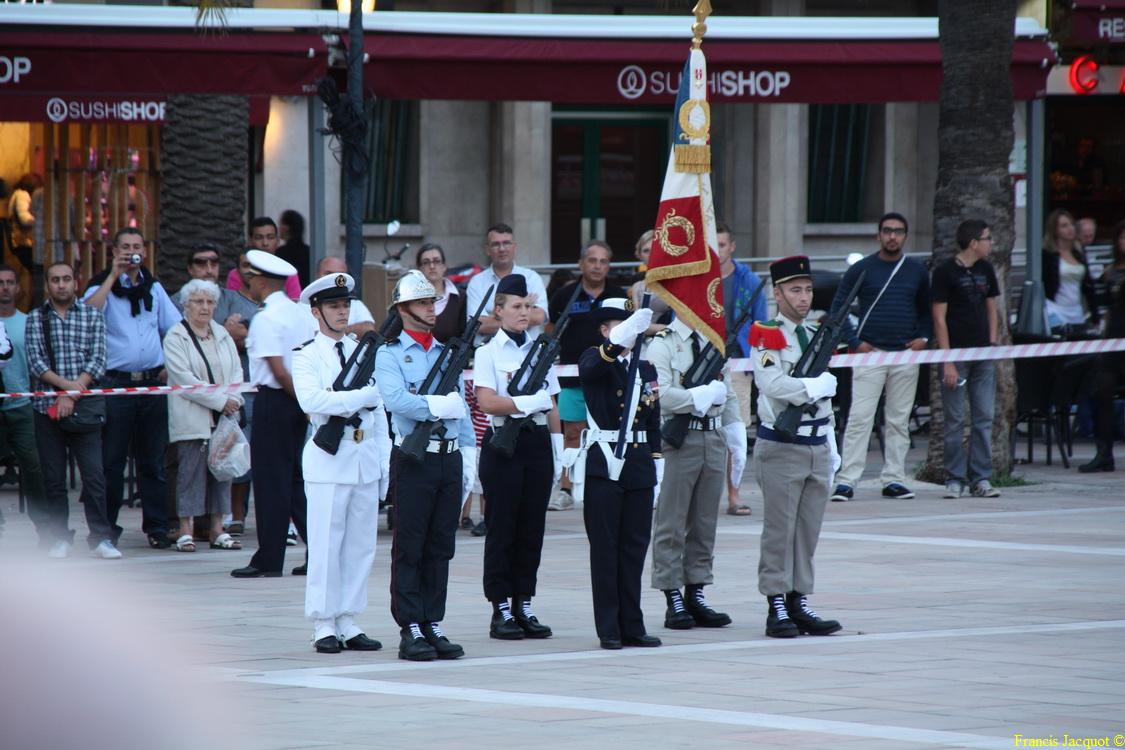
<point x="301" y="570"/>
<point x="445" y="648"/>
<point x="807" y="621"/>
<point x="159" y="541"/>
<point x="611" y="644"/>
<point x="329" y="644"/>
<point x="504" y="629"/>
<point x="251" y="572"/>
<point x="531" y="626"/>
<point x="678" y="620"/>
<point x="413" y="646"/>
<point x="643" y="641"/>
<point x="362" y="643"/>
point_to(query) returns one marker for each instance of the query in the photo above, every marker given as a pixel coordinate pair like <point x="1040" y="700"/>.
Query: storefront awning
<point x="620" y="72"/>
<point x="1097" y="21"/>
<point x="143" y="64"/>
<point x="119" y="109"/>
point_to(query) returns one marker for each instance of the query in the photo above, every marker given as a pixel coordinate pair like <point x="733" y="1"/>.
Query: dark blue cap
<point x="514" y="284"/>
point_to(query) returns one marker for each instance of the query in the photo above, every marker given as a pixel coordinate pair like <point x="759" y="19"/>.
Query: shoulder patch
<point x="767" y="336"/>
<point x="303" y="344"/>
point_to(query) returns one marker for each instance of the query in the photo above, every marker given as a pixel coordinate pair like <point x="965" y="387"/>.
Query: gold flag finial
<point x="701" y="10"/>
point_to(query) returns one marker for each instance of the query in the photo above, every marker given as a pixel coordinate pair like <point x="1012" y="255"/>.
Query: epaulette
<point x="767" y="335"/>
<point x="303" y="344"/>
<point x="662" y="333"/>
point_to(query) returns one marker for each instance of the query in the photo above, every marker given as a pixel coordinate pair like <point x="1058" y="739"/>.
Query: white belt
<point x="610" y="436"/>
<point x="436" y="445"/>
<point x="705" y="423"/>
<point x="539" y="417"/>
<point x="357" y="434"/>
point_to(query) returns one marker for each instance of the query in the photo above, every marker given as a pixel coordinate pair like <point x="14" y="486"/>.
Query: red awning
<point x="120" y="109"/>
<point x="1097" y="21"/>
<point x="607" y="71"/>
<point x="149" y="64"/>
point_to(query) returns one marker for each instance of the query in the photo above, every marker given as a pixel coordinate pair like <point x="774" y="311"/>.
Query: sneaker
<point x="897" y="491"/>
<point x="953" y="490"/>
<point x="291" y="537"/>
<point x="58" y="550"/>
<point x="106" y="551"/>
<point x="480" y="529"/>
<point x="984" y="489"/>
<point x="561" y="500"/>
<point x="842" y="494"/>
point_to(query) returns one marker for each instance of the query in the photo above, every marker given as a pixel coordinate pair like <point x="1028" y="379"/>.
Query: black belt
<point x="767" y="433"/>
<point x="706" y="424"/>
<point x="152" y="374"/>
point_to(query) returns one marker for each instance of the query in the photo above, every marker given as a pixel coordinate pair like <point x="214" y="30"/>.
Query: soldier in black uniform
<point x="617" y="508"/>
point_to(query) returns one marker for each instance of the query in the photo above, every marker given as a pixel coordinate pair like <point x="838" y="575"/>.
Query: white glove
<point x="626" y="332"/>
<point x="735" y="436"/>
<point x="718" y="392"/>
<point x="384" y="444"/>
<point x="446" y="407"/>
<point x="536" y="402"/>
<point x="822" y="386"/>
<point x="557" y="449"/>
<point x="834" y="460"/>
<point x="659" y="462"/>
<point x="701" y="398"/>
<point x="468" y="470"/>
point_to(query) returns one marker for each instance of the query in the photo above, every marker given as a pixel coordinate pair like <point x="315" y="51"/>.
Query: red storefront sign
<point x="1097" y="21"/>
<point x="141" y="65"/>
<point x="124" y="110"/>
<point x="606" y="71"/>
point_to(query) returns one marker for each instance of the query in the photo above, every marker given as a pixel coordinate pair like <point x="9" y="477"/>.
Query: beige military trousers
<point x="794" y="482"/>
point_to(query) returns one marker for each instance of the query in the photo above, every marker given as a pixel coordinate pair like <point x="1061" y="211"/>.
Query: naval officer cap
<point x="269" y="265"/>
<point x="613" y="308"/>
<point x="330" y="287"/>
<point x="514" y="284"/>
<point x="787" y="269"/>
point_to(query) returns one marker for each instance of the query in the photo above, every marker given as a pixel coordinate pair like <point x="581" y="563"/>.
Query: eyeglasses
<point x="205" y="261"/>
<point x="498" y="245"/>
<point x="893" y="231"/>
<point x="431" y="262"/>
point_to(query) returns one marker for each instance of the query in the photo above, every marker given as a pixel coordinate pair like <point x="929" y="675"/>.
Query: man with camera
<point x="138" y="312"/>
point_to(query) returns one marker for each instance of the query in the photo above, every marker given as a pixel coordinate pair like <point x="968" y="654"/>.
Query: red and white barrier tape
<point x="145" y="390"/>
<point x="869" y="359"/>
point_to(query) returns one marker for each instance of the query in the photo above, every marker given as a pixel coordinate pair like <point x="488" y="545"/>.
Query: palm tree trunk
<point x="204" y="153"/>
<point x="975" y="136"/>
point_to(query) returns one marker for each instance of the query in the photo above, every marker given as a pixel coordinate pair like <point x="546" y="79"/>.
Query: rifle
<point x="707" y="366"/>
<point x="618" y="463"/>
<point x="446" y="371"/>
<point x="356" y="373"/>
<point x="539" y="360"/>
<point x="814" y="361"/>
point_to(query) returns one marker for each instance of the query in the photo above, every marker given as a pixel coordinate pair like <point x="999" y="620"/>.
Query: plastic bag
<point x="228" y="455"/>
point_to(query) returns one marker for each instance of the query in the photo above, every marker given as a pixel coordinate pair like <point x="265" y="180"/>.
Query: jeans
<point x="51" y="520"/>
<point x="981" y="387"/>
<point x="141" y="421"/>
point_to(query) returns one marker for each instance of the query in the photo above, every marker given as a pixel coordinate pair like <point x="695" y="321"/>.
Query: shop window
<point x="392" y="151"/>
<point x="840" y="140"/>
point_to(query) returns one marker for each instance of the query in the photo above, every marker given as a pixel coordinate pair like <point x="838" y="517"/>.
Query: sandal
<point x="226" y="541"/>
<point x="738" y="510"/>
<point x="235" y="528"/>
<point x="185" y="543"/>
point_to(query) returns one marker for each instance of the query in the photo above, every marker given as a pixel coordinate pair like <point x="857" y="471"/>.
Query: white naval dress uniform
<point x="342" y="489"/>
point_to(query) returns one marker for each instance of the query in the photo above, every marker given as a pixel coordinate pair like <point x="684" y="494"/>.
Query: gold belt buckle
<point x="357" y="435"/>
<point x="136" y="377"/>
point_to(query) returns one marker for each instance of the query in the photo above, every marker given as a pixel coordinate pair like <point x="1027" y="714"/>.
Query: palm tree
<point x="975" y="136"/>
<point x="204" y="151"/>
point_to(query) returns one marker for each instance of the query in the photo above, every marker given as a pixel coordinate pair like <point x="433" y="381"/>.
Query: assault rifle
<point x="814" y="361"/>
<point x="356" y="374"/>
<point x="446" y="373"/>
<point x="536" y="366"/>
<point x="707" y="366"/>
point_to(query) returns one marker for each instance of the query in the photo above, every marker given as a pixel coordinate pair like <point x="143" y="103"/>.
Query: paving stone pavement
<point x="968" y="623"/>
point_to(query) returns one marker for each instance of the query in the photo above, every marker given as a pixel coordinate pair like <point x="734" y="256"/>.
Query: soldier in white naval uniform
<point x="342" y="489"/>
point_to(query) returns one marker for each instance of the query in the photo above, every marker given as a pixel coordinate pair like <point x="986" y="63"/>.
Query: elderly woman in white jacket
<point x="200" y="351"/>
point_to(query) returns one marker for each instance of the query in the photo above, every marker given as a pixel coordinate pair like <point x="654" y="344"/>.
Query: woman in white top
<point x="1066" y="276"/>
<point x="517" y="486"/>
<point x="196" y="352"/>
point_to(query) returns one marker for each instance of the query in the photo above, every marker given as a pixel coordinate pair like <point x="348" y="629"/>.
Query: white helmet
<point x="413" y="286"/>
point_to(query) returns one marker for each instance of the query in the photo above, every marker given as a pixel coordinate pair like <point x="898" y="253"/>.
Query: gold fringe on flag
<point x="693" y="158"/>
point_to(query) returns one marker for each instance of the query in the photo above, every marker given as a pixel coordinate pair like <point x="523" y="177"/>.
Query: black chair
<point x="1034" y="383"/>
